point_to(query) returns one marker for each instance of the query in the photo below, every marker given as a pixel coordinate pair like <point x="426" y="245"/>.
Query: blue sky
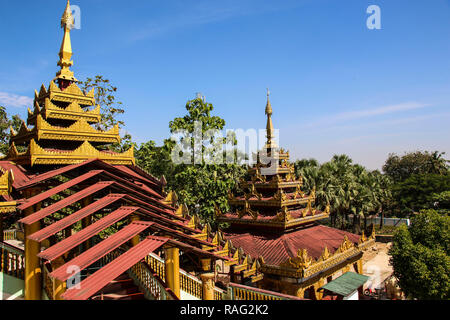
<point x="337" y="87"/>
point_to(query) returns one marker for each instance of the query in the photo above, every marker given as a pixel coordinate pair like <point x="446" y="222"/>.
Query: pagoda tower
<point x="273" y="197"/>
<point x="276" y="224"/>
<point x="62" y="121"/>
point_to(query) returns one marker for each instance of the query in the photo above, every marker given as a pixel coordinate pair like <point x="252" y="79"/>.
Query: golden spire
<point x="65" y="53"/>
<point x="269" y="128"/>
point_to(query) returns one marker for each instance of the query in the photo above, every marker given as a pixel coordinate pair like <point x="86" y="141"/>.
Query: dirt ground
<point x="376" y="265"/>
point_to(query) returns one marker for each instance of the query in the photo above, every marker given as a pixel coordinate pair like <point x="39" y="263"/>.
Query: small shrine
<point x="276" y="223"/>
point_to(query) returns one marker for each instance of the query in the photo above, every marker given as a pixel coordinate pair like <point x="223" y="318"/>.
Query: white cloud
<point x="380" y="110"/>
<point x="13" y="100"/>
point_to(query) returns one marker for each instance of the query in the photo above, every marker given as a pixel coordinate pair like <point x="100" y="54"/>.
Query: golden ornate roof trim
<point x="6" y="181"/>
<point x="8" y="207"/>
<point x="78" y="131"/>
<point x="303" y="265"/>
<point x="72" y="112"/>
<point x="82" y="153"/>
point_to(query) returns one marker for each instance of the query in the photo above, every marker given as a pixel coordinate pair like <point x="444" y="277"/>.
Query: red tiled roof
<point x="41" y="214"/>
<point x="75" y="217"/>
<point x="67" y="244"/>
<point x="92" y="284"/>
<point x="277" y="248"/>
<point x="100" y="250"/>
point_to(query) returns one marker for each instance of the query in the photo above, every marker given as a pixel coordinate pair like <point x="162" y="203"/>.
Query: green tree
<point x="201" y="183"/>
<point x="15" y="122"/>
<point x="418" y="192"/>
<point x="347" y="187"/>
<point x="401" y="168"/>
<point x="110" y="108"/>
<point x="420" y="256"/>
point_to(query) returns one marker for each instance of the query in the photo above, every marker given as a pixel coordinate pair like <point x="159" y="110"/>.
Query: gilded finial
<point x="65" y="53"/>
<point x="268" y="105"/>
<point x="269" y="128"/>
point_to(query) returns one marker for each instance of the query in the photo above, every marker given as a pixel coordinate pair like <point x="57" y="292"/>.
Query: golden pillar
<point x="300" y="293"/>
<point x="208" y="286"/>
<point x="59" y="287"/>
<point x="206" y="264"/>
<point x="172" y="266"/>
<point x="1" y="227"/>
<point x="319" y="293"/>
<point x="33" y="272"/>
<point x="359" y="266"/>
<point x="135" y="240"/>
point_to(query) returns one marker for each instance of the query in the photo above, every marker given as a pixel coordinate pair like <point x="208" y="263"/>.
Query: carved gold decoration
<point x="217" y="211"/>
<point x="65" y="53"/>
<point x="283" y="215"/>
<point x="182" y="211"/>
<point x="298" y="192"/>
<point x="8" y="207"/>
<point x="301" y="261"/>
<point x="247" y="210"/>
<point x="325" y="254"/>
<point x="78" y="131"/>
<point x="6" y="181"/>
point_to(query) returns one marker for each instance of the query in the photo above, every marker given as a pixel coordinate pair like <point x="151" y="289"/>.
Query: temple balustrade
<point x="241" y="292"/>
<point x="12" y="261"/>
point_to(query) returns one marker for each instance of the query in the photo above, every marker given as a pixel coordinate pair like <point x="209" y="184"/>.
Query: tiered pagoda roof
<point x="275" y="222"/>
<point x="273" y="197"/>
<point x="63" y="120"/>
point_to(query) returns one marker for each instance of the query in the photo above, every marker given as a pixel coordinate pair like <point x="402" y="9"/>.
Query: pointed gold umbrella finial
<point x="65" y="53"/>
<point x="269" y="128"/>
<point x="268" y="105"/>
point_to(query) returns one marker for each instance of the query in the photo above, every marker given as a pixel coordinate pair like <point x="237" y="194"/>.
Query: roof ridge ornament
<point x="65" y="53"/>
<point x="269" y="127"/>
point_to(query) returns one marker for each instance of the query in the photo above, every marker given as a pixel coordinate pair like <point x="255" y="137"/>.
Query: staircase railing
<point x="148" y="281"/>
<point x="241" y="292"/>
<point x="191" y="284"/>
<point x="188" y="283"/>
<point x="12" y="261"/>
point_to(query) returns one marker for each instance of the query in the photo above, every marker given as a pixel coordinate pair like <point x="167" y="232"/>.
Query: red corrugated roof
<point x="276" y="249"/>
<point x="51" y="174"/>
<point x="100" y="250"/>
<point x="64" y="186"/>
<point x="67" y="244"/>
<point x="169" y="221"/>
<point x="143" y="195"/>
<point x="75" y="217"/>
<point x="98" y="280"/>
<point x="41" y="214"/>
<point x="151" y="207"/>
<point x="20" y="175"/>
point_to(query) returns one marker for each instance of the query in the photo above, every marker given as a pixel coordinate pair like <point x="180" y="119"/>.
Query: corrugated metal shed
<point x="346" y="284"/>
<point x="98" y="280"/>
<point x="41" y="214"/>
<point x="75" y="217"/>
<point x="100" y="250"/>
<point x="67" y="244"/>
